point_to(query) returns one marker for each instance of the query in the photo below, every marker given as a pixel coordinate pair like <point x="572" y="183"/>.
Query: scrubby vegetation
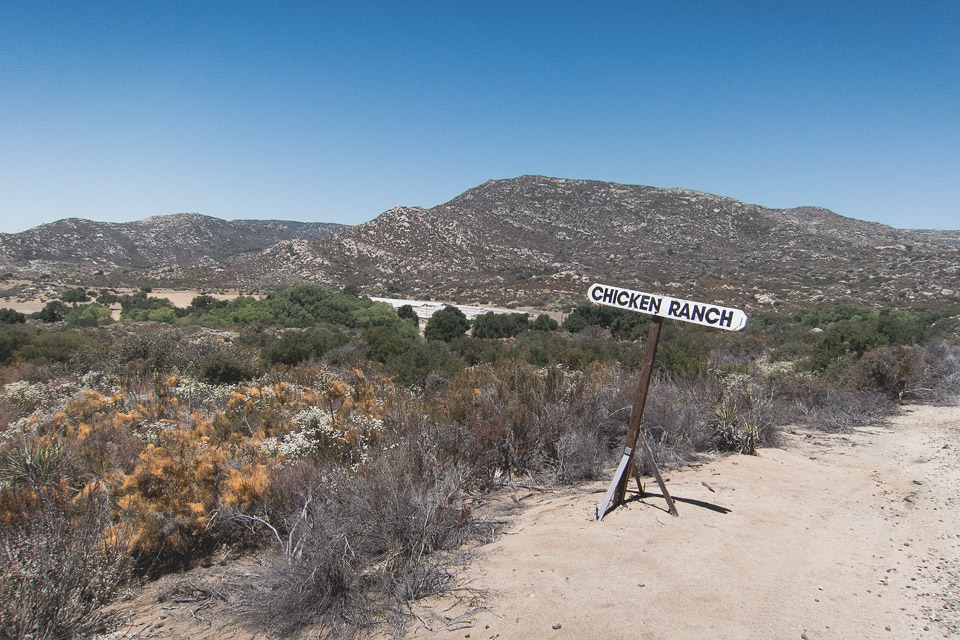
<point x="322" y="429"/>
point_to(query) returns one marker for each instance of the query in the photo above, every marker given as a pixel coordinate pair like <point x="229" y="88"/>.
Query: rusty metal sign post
<point x="660" y="307"/>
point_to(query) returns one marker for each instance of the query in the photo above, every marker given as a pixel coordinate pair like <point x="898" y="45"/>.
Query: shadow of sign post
<point x="661" y="308"/>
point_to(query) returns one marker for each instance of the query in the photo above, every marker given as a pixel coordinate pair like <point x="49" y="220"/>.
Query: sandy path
<point x="830" y="537"/>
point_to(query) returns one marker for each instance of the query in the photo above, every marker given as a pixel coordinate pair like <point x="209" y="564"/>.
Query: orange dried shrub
<point x="179" y="488"/>
<point x="97" y="435"/>
<point x="344" y="400"/>
<point x="334" y="397"/>
<point x="16" y="504"/>
<point x="80" y="412"/>
<point x="260" y="411"/>
<point x="246" y="488"/>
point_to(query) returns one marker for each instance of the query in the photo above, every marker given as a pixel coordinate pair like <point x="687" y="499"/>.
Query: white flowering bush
<point x="34" y="396"/>
<point x="194" y="394"/>
<point x="318" y="435"/>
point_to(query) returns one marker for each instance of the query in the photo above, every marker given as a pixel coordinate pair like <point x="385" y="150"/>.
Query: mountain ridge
<point x="524" y="240"/>
<point x="80" y="247"/>
<point x="541" y="241"/>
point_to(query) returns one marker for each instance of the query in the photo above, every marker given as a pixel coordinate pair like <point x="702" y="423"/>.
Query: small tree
<point x="79" y="294"/>
<point x="406" y="312"/>
<point x="53" y="311"/>
<point x="499" y="325"/>
<point x="10" y="316"/>
<point x="107" y="297"/>
<point x="202" y="302"/>
<point x="88" y="315"/>
<point x="544" y="323"/>
<point x="446" y="324"/>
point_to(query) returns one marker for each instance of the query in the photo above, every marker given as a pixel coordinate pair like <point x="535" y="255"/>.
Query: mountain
<point x="79" y="248"/>
<point x="530" y="240"/>
<point x="542" y="241"/>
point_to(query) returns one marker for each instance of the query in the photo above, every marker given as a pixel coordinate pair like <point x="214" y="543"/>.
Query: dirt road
<point x="854" y="536"/>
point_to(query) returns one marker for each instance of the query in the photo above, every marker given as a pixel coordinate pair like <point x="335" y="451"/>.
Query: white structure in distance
<point x="426" y="308"/>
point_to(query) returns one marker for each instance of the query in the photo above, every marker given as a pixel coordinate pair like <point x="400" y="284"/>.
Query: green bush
<point x="55" y="346"/>
<point x="414" y="364"/>
<point x="499" y="325"/>
<point x="12" y="338"/>
<point x="223" y="369"/>
<point x="74" y="296"/>
<point x="623" y="324"/>
<point x="407" y="313"/>
<point x="906" y="329"/>
<point x="544" y="323"/>
<point x="88" y="315"/>
<point x="53" y="311"/>
<point x="852" y="337"/>
<point x="473" y="351"/>
<point x="408" y="358"/>
<point x="300" y="306"/>
<point x="379" y="314"/>
<point x="242" y="310"/>
<point x="296" y="346"/>
<point x="167" y="315"/>
<point x="385" y="344"/>
<point x="446" y="324"/>
<point x="9" y="316"/>
<point x="541" y="349"/>
<point x="141" y="302"/>
<point x="683" y="350"/>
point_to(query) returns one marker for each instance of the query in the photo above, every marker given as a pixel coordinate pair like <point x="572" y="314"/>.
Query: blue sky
<point x="334" y="111"/>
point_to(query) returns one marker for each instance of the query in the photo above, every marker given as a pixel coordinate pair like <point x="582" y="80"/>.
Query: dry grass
<point x="59" y="566"/>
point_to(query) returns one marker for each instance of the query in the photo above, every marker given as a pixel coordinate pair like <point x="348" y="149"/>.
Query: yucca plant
<point x="32" y="462"/>
<point x="732" y="432"/>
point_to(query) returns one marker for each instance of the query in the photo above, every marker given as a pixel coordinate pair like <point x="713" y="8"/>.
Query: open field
<point x="830" y="536"/>
<point x="183" y="297"/>
<point x="179" y="298"/>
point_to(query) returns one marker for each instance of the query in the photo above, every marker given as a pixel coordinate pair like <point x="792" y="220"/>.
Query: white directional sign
<point x="709" y="315"/>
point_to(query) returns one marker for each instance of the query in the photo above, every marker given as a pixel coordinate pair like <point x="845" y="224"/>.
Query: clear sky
<point x="336" y="111"/>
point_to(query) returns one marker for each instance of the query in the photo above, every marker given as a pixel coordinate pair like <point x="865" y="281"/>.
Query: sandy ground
<point x="852" y="536"/>
<point x="179" y="297"/>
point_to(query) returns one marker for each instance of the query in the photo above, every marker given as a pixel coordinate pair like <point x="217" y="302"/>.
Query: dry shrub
<point x="840" y="411"/>
<point x="20" y="370"/>
<point x="675" y="418"/>
<point x="938" y="381"/>
<point x="412" y="499"/>
<point x="351" y="550"/>
<point x="513" y="418"/>
<point x="59" y="566"/>
<point x="581" y="455"/>
<point x="873" y="385"/>
<point x="887" y="370"/>
<point x="724" y="411"/>
<point x="314" y="577"/>
<point x="178" y="489"/>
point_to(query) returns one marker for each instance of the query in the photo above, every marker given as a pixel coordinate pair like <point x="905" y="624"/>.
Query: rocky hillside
<point x="542" y="241"/>
<point x="79" y="248"/>
<point x="530" y="240"/>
